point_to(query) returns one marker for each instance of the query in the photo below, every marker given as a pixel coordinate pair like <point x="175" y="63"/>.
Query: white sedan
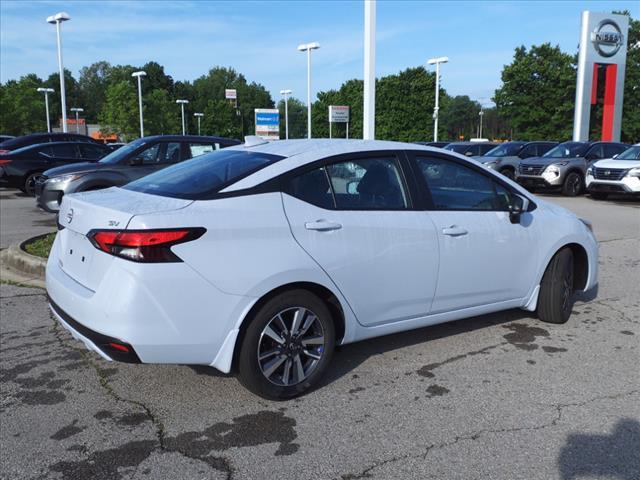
<point x="261" y="258"/>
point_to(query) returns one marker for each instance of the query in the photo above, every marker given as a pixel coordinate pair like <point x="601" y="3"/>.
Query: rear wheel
<point x="556" y="289"/>
<point x="598" y="195"/>
<point x="508" y="172"/>
<point x="30" y="184"/>
<point x="287" y="346"/>
<point x="572" y="185"/>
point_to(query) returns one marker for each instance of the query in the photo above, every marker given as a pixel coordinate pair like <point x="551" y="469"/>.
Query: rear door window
<point x="611" y="150"/>
<point x="197" y="149"/>
<point x="65" y="150"/>
<point x="92" y="152"/>
<point x="149" y="156"/>
<point x="530" y="150"/>
<point x="171" y="153"/>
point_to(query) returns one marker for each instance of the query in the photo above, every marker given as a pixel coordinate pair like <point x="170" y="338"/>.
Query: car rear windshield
<point x="505" y="150"/>
<point x="568" y="150"/>
<point x="202" y="177"/>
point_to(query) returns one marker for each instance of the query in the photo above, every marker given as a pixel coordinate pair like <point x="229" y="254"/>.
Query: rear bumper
<point x="163" y="313"/>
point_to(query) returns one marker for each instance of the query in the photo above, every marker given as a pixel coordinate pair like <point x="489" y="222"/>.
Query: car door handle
<point x="322" y="226"/>
<point x="454" y="231"/>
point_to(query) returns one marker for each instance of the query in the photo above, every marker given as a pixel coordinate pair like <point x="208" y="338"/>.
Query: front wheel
<point x="30" y="184"/>
<point x="556" y="289"/>
<point x="287" y="346"/>
<point x="572" y="185"/>
<point x="509" y="173"/>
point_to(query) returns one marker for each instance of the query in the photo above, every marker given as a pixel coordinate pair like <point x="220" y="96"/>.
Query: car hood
<point x="614" y="163"/>
<point x="81" y="167"/>
<point x="485" y="159"/>
<point x="548" y="160"/>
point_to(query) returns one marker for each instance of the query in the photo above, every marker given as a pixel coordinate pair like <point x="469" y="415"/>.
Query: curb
<point x="19" y="263"/>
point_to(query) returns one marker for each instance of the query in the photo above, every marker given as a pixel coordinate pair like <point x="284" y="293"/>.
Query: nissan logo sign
<point x="607" y="38"/>
<point x="70" y="215"/>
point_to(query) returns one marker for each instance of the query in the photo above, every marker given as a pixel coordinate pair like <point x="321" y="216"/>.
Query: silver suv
<point x="506" y="157"/>
<point x="564" y="167"/>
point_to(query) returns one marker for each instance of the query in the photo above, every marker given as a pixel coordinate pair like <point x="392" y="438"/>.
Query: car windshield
<point x="632" y="153"/>
<point x="505" y="150"/>
<point x="119" y="154"/>
<point x="203" y="176"/>
<point x="458" y="148"/>
<point x="568" y="150"/>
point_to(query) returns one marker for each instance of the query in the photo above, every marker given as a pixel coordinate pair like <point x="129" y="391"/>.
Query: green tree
<point x="538" y="93"/>
<point x="459" y="118"/>
<point x="161" y="117"/>
<point x="22" y="106"/>
<point x="93" y="83"/>
<point x="120" y="111"/>
<point x="297" y="118"/>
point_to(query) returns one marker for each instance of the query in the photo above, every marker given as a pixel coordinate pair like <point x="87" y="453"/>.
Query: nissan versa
<point x="261" y="258"/>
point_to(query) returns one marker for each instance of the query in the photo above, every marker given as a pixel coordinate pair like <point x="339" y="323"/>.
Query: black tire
<point x="598" y="195"/>
<point x="573" y="184"/>
<point x="275" y="387"/>
<point x="555" y="300"/>
<point x="29" y="186"/>
<point x="509" y="173"/>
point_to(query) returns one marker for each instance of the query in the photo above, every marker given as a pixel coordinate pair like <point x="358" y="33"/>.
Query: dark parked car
<point x="506" y="157"/>
<point x="471" y="149"/>
<point x="564" y="167"/>
<point x="4" y="138"/>
<point x="433" y="144"/>
<point x="21" y="168"/>
<point x="135" y="160"/>
<point x="35" y="138"/>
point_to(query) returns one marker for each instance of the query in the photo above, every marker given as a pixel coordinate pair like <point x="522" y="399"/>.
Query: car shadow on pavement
<point x="614" y="456"/>
<point x="350" y="356"/>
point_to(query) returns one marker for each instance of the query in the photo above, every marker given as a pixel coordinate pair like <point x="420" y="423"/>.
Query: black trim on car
<point x="99" y="340"/>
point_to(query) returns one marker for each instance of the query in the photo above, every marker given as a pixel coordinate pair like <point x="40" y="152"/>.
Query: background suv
<point x="506" y="157"/>
<point x="471" y="149"/>
<point x="21" y="168"/>
<point x="135" y="160"/>
<point x="564" y="167"/>
<point x="615" y="175"/>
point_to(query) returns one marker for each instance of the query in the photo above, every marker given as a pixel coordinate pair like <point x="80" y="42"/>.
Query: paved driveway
<point x="501" y="396"/>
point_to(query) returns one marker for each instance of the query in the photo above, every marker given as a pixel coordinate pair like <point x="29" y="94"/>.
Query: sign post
<point x="338" y="114"/>
<point x="268" y="123"/>
<point x="231" y="94"/>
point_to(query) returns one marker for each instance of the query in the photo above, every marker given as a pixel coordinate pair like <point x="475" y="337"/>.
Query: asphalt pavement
<point x="500" y="396"/>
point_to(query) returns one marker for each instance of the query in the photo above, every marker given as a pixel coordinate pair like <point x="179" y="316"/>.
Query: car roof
<point x="192" y="138"/>
<point x="298" y="153"/>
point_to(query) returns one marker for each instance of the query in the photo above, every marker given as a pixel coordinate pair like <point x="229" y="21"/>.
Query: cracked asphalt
<point x="500" y="396"/>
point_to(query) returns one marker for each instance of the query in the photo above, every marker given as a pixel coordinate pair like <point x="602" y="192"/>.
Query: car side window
<point x="171" y="153"/>
<point x="196" y="149"/>
<point x="92" y="152"/>
<point x="313" y="187"/>
<point x="64" y="150"/>
<point x="611" y="150"/>
<point x="529" y="151"/>
<point x="368" y="184"/>
<point x="484" y="148"/>
<point x="149" y="156"/>
<point x="594" y="153"/>
<point x="454" y="186"/>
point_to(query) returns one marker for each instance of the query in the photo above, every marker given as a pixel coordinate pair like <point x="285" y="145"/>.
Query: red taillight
<point x="4" y="161"/>
<point x="150" y="246"/>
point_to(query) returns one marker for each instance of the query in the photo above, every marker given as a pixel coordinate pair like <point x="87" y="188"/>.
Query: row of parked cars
<point x="601" y="168"/>
<point x="57" y="164"/>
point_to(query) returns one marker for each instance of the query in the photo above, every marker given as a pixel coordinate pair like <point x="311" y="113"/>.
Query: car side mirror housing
<point x="518" y="206"/>
<point x="136" y="161"/>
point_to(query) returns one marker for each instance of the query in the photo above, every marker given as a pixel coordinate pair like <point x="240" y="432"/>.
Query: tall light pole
<point x="369" y="107"/>
<point x="182" y="104"/>
<point x="437" y="62"/>
<point x="77" y="111"/>
<point x="307" y="47"/>
<point x="198" y="115"/>
<point x="481" y="115"/>
<point x="58" y="18"/>
<point x="139" y="75"/>
<point x="46" y="92"/>
<point x="285" y="94"/>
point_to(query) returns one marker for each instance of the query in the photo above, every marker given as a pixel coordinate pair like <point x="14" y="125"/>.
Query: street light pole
<point x="140" y="74"/>
<point x="57" y="19"/>
<point x="437" y="62"/>
<point x="481" y="115"/>
<point x="198" y="115"/>
<point x="307" y="47"/>
<point x="182" y="104"/>
<point x="285" y="94"/>
<point x="46" y="92"/>
<point x="77" y="112"/>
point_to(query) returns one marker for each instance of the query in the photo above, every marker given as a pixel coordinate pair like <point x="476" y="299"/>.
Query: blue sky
<point x="259" y="39"/>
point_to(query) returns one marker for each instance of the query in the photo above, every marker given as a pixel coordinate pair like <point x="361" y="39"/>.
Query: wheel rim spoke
<point x="299" y="368"/>
<point x="286" y="375"/>
<point x="312" y="355"/>
<point x="268" y="354"/>
<point x="311" y="318"/>
<point x="298" y="316"/>
<point x="273" y="365"/>
<point x="317" y="340"/>
<point x="271" y="333"/>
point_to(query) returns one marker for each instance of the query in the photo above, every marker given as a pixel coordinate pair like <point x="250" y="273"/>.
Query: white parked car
<point x="261" y="258"/>
<point x="619" y="175"/>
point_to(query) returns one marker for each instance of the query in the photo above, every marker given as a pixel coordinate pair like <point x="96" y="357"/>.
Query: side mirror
<point x="518" y="206"/>
<point x="136" y="161"/>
